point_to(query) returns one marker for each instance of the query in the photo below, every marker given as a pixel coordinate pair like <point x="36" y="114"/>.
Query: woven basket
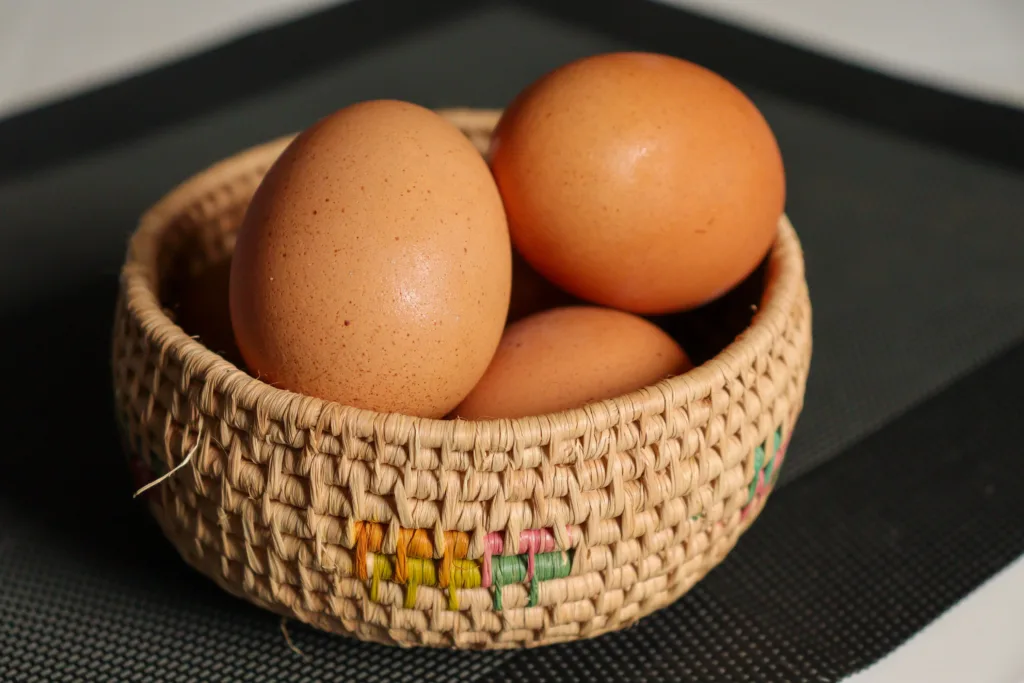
<point x="395" y="529"/>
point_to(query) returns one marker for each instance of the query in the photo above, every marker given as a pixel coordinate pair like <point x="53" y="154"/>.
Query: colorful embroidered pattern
<point x="415" y="562"/>
<point x="509" y="569"/>
<point x="421" y="572"/>
<point x="767" y="465"/>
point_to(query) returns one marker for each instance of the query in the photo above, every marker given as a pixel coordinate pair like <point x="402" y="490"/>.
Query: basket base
<point x="358" y="617"/>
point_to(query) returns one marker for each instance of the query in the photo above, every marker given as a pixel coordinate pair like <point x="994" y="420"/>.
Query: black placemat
<point x="913" y="257"/>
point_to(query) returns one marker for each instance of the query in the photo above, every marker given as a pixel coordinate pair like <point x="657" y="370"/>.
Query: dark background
<point x="900" y="491"/>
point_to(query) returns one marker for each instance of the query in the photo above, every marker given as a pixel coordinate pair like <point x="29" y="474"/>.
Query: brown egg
<point x="639" y="181"/>
<point x="568" y="357"/>
<point x="203" y="310"/>
<point x="373" y="266"/>
<point x="531" y="293"/>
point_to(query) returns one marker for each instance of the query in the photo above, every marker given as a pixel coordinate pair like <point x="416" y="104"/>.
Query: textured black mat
<point x="910" y="220"/>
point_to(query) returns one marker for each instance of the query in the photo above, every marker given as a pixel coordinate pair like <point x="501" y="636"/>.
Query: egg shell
<point x="373" y="266"/>
<point x="639" y="181"/>
<point x="567" y="357"/>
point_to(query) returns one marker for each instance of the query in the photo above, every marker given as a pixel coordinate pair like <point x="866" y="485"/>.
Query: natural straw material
<point x="414" y="531"/>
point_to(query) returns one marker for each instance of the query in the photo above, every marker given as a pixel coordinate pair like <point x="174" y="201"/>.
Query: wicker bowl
<point x="501" y="533"/>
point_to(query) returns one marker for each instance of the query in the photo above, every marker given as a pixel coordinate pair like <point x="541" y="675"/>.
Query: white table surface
<point x="53" y="48"/>
<point x="980" y="640"/>
<point x="972" y="46"/>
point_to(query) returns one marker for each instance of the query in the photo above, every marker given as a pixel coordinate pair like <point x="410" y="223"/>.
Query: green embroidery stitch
<point x="758" y="465"/>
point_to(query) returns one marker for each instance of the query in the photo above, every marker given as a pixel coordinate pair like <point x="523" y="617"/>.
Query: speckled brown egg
<point x="373" y="266"/>
<point x="639" y="181"/>
<point x="567" y="357"/>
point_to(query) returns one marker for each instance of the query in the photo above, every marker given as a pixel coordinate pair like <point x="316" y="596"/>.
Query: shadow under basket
<point x="410" y="531"/>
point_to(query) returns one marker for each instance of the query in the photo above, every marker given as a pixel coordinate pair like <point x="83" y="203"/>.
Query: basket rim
<point x="785" y="285"/>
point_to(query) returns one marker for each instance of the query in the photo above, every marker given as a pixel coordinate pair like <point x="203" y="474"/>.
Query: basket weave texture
<point x="411" y="531"/>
